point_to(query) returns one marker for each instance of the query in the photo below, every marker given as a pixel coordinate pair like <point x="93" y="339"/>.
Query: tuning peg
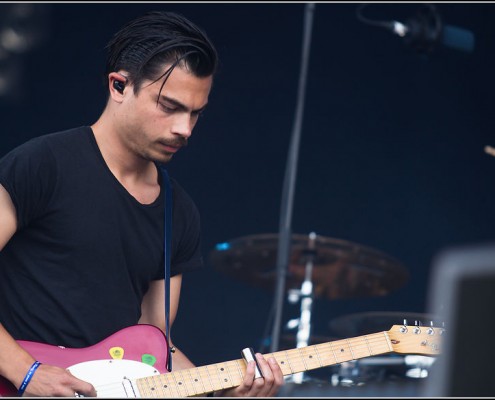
<point x="430" y="330"/>
<point x="403" y="328"/>
<point x="417" y="330"/>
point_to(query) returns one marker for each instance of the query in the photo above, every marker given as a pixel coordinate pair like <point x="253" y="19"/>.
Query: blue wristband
<point x="28" y="377"/>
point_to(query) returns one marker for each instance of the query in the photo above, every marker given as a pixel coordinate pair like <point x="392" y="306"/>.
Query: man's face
<point x="156" y="125"/>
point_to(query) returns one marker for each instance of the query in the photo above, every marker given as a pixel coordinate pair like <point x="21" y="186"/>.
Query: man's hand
<point x="267" y="386"/>
<point x="52" y="381"/>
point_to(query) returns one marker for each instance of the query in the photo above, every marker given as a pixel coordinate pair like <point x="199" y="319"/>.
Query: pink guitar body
<point x="142" y="344"/>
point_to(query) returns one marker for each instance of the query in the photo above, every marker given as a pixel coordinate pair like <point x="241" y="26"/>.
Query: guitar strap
<point x="166" y="247"/>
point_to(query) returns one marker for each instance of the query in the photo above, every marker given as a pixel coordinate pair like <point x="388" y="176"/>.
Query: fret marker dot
<point x="180" y="383"/>
<point x="341" y="350"/>
<point x="221" y="369"/>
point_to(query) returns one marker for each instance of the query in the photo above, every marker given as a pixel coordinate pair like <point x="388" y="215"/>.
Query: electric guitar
<point x="131" y="362"/>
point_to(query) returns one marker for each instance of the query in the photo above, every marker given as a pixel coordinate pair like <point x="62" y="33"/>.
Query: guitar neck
<point x="229" y="374"/>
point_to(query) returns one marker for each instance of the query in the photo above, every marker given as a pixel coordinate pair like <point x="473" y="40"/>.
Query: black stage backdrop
<point x="391" y="157"/>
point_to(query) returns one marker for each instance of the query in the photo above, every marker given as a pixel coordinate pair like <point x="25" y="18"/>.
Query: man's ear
<point x="117" y="83"/>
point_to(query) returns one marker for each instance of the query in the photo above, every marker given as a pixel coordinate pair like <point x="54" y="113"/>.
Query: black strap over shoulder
<point x="167" y="247"/>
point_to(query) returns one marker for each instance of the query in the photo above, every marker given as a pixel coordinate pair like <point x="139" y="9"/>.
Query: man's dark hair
<point x="143" y="46"/>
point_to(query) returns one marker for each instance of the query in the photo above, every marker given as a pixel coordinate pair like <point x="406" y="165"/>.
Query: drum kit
<point x="329" y="268"/>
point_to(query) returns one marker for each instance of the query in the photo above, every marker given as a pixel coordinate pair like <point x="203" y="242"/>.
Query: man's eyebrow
<point x="180" y="105"/>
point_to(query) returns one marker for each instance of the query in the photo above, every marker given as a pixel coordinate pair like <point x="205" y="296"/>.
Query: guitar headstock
<point x="416" y="339"/>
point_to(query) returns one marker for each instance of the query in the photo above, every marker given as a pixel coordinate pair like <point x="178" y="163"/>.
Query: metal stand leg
<point x="306" y="297"/>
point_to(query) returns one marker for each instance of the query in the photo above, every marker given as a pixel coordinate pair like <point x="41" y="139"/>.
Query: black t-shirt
<point x="85" y="249"/>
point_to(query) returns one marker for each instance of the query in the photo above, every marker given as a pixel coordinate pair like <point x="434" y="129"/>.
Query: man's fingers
<point x="265" y="385"/>
<point x="278" y="376"/>
<point x="84" y="389"/>
<point x="247" y="382"/>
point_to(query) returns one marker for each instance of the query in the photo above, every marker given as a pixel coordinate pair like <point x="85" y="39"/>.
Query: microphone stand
<point x="289" y="183"/>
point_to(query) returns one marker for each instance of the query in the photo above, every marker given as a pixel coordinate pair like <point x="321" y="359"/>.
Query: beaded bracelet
<point x="28" y="377"/>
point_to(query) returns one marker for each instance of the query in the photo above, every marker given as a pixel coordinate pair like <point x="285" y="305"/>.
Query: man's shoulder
<point x="72" y="135"/>
<point x="65" y="136"/>
<point x="47" y="145"/>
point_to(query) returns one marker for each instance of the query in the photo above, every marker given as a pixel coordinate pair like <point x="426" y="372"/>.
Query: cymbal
<point x="341" y="269"/>
<point x="376" y="321"/>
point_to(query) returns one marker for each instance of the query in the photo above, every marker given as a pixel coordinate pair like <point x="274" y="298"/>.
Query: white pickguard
<point x="113" y="378"/>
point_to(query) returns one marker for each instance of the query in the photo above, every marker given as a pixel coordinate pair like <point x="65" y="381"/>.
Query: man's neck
<point x="137" y="175"/>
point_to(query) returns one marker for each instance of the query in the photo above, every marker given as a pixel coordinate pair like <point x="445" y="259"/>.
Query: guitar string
<point x="357" y="344"/>
<point x="360" y="344"/>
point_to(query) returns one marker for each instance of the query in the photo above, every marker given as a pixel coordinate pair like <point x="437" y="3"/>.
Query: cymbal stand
<point x="306" y="297"/>
<point x="289" y="182"/>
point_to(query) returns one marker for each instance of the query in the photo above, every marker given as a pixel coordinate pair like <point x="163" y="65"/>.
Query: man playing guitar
<point x="81" y="213"/>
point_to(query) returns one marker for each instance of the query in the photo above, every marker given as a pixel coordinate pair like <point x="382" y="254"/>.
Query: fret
<point x="333" y="353"/>
<point x="294" y="361"/>
<point x="170" y="384"/>
<point x="179" y="384"/>
<point x="210" y="381"/>
<point x="196" y="381"/>
<point x="337" y="360"/>
<point x="318" y="355"/>
<point x="232" y="367"/>
<point x="144" y="386"/>
<point x="163" y="384"/>
<point x="302" y="358"/>
<point x="241" y="368"/>
<point x="282" y="362"/>
<point x="339" y="350"/>
<point x="287" y="356"/>
<point x="325" y="354"/>
<point x="359" y="347"/>
<point x="388" y="341"/>
<point x="310" y="357"/>
<point x="187" y="382"/>
<point x="218" y="376"/>
<point x="368" y="344"/>
<point x="379" y="344"/>
<point x="350" y="348"/>
<point x="153" y="386"/>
